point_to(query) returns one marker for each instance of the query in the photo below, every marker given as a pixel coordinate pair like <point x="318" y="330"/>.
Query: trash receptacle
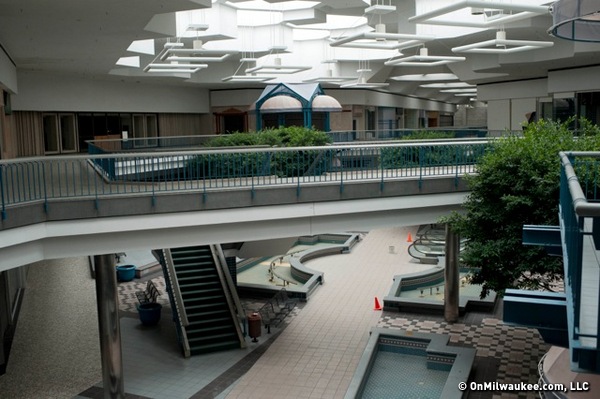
<point x="254" y="330"/>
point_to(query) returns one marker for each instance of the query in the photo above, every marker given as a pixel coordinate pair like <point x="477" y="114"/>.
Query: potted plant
<point x="125" y="272"/>
<point x="149" y="313"/>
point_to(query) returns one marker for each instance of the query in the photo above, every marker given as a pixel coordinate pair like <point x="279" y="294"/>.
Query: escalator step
<point x="199" y="349"/>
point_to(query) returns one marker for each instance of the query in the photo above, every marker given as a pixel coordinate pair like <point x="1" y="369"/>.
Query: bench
<point x="275" y="310"/>
<point x="149" y="295"/>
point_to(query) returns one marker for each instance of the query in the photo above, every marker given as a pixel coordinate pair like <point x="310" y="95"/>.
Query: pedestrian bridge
<point x="56" y="207"/>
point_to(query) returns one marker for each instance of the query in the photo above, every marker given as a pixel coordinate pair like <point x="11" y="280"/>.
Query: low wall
<point x="394" y="302"/>
<point x="310" y="278"/>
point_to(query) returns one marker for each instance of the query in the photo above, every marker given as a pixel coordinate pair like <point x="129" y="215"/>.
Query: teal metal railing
<point x="579" y="214"/>
<point x="93" y="176"/>
<point x="108" y="146"/>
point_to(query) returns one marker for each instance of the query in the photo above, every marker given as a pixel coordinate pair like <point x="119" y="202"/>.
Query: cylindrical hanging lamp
<point x="577" y="20"/>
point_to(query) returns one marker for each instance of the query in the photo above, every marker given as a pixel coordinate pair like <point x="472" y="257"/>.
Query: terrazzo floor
<point x="55" y="352"/>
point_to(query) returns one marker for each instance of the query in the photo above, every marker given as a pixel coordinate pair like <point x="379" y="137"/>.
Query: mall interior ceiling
<point x="436" y="49"/>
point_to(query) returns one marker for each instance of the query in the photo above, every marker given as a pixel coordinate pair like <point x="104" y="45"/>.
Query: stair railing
<point x="233" y="300"/>
<point x="179" y="306"/>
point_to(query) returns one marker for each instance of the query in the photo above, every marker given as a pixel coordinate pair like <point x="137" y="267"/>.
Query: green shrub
<point x="428" y="135"/>
<point x="282" y="164"/>
<point x="292" y="136"/>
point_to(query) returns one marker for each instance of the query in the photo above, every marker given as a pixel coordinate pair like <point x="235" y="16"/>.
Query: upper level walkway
<point x="54" y="207"/>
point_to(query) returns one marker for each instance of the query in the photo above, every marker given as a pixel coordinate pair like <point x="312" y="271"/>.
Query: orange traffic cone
<point x="377" y="304"/>
<point x="409" y="239"/>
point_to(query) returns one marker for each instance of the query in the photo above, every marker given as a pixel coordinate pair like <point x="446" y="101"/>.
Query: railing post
<point x="341" y="171"/>
<point x="2" y="193"/>
<point x="421" y="160"/>
<point x="44" y="187"/>
<point x="382" y="183"/>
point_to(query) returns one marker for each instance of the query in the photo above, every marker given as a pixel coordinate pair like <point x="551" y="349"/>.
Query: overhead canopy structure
<point x="305" y="98"/>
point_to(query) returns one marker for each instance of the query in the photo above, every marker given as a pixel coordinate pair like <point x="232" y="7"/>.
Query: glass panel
<point x="151" y="130"/>
<point x="85" y="128"/>
<point x="100" y="125"/>
<point x="68" y="134"/>
<point x="113" y="124"/>
<point x="51" y="139"/>
<point x="139" y="130"/>
<point x="564" y="108"/>
<point x="126" y="125"/>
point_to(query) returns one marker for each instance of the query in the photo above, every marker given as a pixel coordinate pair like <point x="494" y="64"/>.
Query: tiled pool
<point x="399" y="364"/>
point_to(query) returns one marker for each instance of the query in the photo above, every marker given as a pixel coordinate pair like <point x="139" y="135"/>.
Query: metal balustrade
<point x="580" y="224"/>
<point x="93" y="176"/>
<point x="114" y="145"/>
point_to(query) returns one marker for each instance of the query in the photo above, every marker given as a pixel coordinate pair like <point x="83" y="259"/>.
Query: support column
<point x="451" y="276"/>
<point x="108" y="324"/>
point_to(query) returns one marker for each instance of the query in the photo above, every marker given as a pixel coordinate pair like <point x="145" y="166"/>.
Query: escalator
<point x="206" y="308"/>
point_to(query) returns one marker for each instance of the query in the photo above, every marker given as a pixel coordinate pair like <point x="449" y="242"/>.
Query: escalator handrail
<point x="233" y="300"/>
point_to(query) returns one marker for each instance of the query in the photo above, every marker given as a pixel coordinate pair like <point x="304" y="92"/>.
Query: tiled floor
<point x="314" y="356"/>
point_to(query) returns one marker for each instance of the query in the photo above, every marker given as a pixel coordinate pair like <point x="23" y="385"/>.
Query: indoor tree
<point x="517" y="183"/>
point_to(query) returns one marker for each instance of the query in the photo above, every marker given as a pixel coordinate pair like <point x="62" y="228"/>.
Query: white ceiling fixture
<point x="426" y="77"/>
<point x="424" y="59"/>
<point x="195" y="54"/>
<point x="175" y="57"/>
<point x="329" y="76"/>
<point x="277" y="66"/>
<point x="248" y="60"/>
<point x="465" y="90"/>
<point x="381" y="40"/>
<point x="483" y="14"/>
<point x="501" y="45"/>
<point x="172" y="70"/>
<point x="447" y="85"/>
<point x="247" y="78"/>
<point x="361" y="80"/>
<point x="361" y="83"/>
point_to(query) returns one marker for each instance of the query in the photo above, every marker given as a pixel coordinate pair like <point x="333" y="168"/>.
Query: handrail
<point x="543" y="380"/>
<point x="27" y="180"/>
<point x="259" y="149"/>
<point x="233" y="300"/>
<point x="176" y="290"/>
<point x="273" y="273"/>
<point x="577" y="206"/>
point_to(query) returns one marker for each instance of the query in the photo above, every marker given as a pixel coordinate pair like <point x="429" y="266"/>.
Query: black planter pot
<point x="150" y="313"/>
